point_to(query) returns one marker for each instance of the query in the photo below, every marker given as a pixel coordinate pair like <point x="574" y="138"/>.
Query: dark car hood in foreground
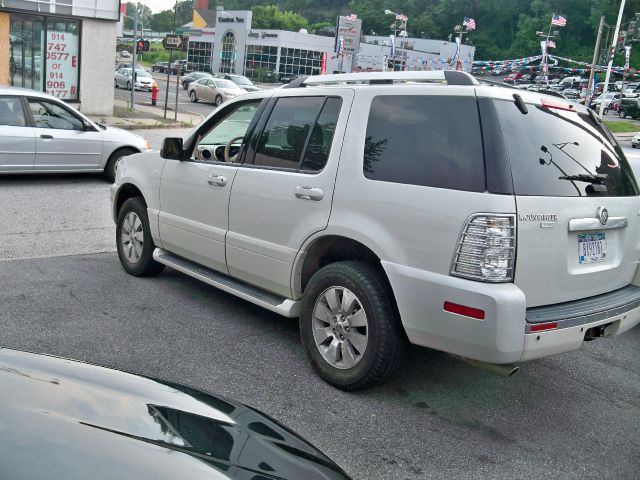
<point x="61" y="419"/>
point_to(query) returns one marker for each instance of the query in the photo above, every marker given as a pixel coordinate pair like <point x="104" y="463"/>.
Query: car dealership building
<point x="64" y="47"/>
<point x="224" y="41"/>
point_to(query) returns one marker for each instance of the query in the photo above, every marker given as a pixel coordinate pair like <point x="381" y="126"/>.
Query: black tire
<point x="110" y="167"/>
<point x="218" y="100"/>
<point x="145" y="266"/>
<point x="386" y="340"/>
<point x="128" y="85"/>
<point x="193" y="96"/>
<point x="116" y="82"/>
<point x="605" y="111"/>
<point x="184" y="85"/>
<point x="622" y="113"/>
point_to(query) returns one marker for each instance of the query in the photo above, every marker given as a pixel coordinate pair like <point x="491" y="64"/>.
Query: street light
<point x="403" y="20"/>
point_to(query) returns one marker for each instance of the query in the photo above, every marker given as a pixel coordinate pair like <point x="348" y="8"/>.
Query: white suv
<point x="384" y="208"/>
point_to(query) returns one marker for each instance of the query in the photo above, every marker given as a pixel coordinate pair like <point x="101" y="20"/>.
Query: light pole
<point x="403" y="21"/>
<point x="545" y="52"/>
<point x="613" y="46"/>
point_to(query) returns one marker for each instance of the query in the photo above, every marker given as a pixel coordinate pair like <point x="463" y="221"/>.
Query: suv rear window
<point x="557" y="153"/>
<point x="433" y="141"/>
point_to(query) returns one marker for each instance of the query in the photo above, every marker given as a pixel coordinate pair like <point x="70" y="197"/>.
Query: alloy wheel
<point x="132" y="237"/>
<point x="340" y="327"/>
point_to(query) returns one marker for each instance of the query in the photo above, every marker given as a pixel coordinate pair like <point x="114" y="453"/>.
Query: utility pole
<point x="614" y="42"/>
<point x="594" y="63"/>
<point x="133" y="63"/>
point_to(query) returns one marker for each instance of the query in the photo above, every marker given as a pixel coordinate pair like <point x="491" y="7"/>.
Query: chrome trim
<point x="584" y="319"/>
<point x="585" y="224"/>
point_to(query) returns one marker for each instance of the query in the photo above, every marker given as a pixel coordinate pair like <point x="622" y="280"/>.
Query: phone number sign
<point x="61" y="78"/>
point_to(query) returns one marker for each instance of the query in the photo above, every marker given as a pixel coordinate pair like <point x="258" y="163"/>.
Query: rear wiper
<point x="598" y="178"/>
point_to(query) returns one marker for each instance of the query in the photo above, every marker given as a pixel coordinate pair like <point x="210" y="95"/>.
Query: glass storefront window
<point x="44" y="55"/>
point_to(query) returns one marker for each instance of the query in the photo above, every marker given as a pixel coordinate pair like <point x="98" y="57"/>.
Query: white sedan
<point x="214" y="90"/>
<point x="39" y="133"/>
<point x="144" y="81"/>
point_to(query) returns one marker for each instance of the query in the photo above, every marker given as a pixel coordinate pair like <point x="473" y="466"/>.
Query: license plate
<point x="592" y="247"/>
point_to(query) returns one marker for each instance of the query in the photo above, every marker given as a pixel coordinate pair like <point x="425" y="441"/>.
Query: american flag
<point x="558" y="20"/>
<point x="551" y="44"/>
<point x="402" y="17"/>
<point x="470" y="23"/>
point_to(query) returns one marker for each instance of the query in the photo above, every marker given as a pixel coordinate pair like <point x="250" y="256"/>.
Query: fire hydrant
<point x="154" y="94"/>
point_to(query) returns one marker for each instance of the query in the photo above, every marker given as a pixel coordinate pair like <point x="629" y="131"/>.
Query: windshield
<point x="142" y="73"/>
<point x="226" y="84"/>
<point x="241" y="81"/>
<point x="561" y="153"/>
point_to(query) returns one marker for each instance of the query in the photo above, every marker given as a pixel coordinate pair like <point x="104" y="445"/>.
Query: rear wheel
<point x="128" y="85"/>
<point x="193" y="96"/>
<point x="116" y="82"/>
<point x="605" y="111"/>
<point x="349" y="326"/>
<point x="133" y="239"/>
<point x="622" y="113"/>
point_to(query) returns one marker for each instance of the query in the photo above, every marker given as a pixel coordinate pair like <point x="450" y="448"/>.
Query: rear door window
<point x="432" y="141"/>
<point x="562" y="153"/>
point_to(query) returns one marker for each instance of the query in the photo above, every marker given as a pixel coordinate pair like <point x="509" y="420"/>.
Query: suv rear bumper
<point x="503" y="335"/>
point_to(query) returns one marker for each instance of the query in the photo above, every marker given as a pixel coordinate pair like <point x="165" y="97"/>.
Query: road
<point x="184" y="103"/>
<point x="572" y="416"/>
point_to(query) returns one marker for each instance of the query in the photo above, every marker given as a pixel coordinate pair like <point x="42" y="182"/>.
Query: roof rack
<point x="452" y="77"/>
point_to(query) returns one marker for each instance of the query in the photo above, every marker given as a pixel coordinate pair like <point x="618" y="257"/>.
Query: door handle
<point x="309" y="193"/>
<point x="47" y="137"/>
<point x="217" y="180"/>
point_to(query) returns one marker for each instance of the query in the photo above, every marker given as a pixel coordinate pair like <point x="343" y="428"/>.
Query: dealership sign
<point x="349" y="30"/>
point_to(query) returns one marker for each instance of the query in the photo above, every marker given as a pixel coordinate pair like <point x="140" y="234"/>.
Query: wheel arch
<point x="126" y="191"/>
<point x="330" y="248"/>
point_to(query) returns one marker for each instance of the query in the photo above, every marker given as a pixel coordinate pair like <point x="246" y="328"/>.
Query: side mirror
<point x="172" y="149"/>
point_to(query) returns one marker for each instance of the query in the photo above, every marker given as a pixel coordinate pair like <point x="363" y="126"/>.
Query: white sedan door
<point x="17" y="139"/>
<point x="63" y="140"/>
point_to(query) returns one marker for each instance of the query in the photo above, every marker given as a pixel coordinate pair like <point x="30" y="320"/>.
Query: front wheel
<point x="193" y="96"/>
<point x="128" y="85"/>
<point x="133" y="239"/>
<point x="349" y="326"/>
<point x="110" y="167"/>
<point x="218" y="101"/>
<point x="605" y="111"/>
<point x="622" y="113"/>
<point x="116" y="82"/>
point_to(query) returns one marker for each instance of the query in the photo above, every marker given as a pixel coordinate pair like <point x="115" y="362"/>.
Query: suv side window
<point x="319" y="145"/>
<point x="11" y="113"/>
<point x="286" y="133"/>
<point x="427" y="140"/>
<point x="211" y="143"/>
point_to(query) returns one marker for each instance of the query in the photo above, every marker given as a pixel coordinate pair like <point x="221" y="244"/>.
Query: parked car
<point x="143" y="80"/>
<point x="499" y="71"/>
<point x="63" y="419"/>
<point x="513" y="77"/>
<point x="629" y="107"/>
<point x="356" y="207"/>
<point x="216" y="90"/>
<point x="608" y="98"/>
<point x="125" y="54"/>
<point x="193" y="76"/>
<point x="160" y="67"/>
<point x="635" y="141"/>
<point x="243" y="82"/>
<point x="40" y="134"/>
<point x="178" y="65"/>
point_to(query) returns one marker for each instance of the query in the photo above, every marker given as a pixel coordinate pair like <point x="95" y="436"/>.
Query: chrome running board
<point x="284" y="306"/>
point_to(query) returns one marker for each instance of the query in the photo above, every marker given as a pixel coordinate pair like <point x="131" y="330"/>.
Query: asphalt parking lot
<point x="573" y="416"/>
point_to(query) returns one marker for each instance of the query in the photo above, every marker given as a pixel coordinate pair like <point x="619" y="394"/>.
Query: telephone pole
<point x="594" y="63"/>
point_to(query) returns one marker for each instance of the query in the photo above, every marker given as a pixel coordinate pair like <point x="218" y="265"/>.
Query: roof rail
<point x="452" y="77"/>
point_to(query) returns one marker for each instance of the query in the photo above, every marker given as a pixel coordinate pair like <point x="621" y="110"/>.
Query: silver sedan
<point x="39" y="133"/>
<point x="213" y="90"/>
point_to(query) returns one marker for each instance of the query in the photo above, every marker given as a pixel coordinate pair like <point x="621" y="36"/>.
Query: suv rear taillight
<point x="486" y="250"/>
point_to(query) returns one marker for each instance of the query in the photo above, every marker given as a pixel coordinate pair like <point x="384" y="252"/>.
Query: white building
<point x="223" y="41"/>
<point x="64" y="47"/>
